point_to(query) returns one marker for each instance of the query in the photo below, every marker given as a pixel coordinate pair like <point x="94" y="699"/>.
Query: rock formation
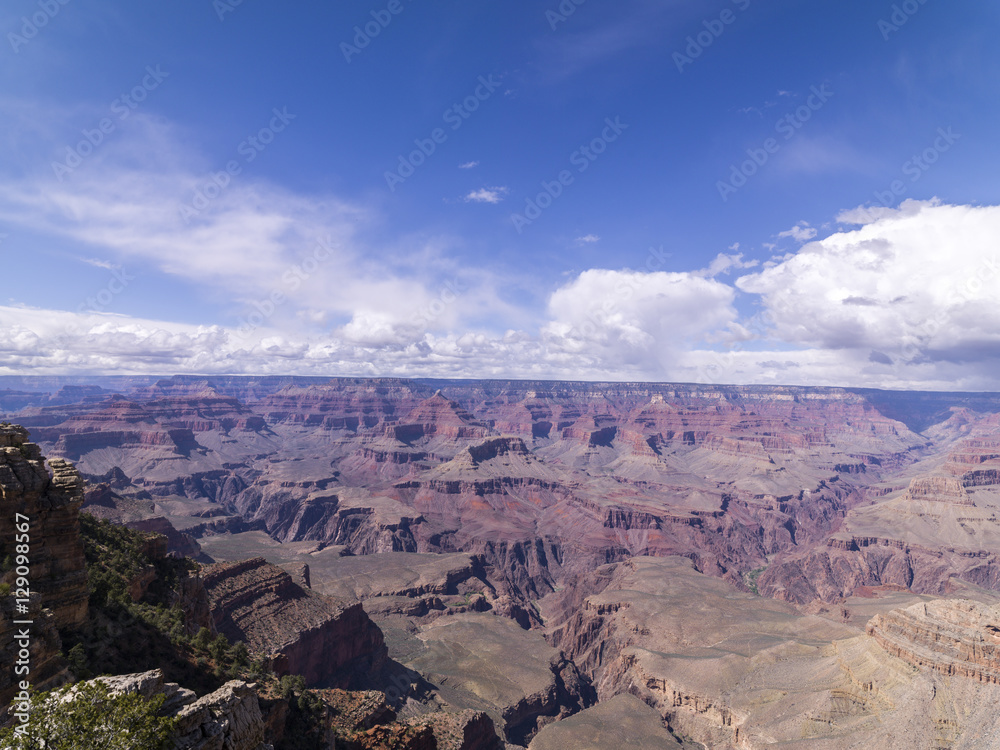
<point x="228" y="718"/>
<point x="953" y="637"/>
<point x="300" y="631"/>
<point x="55" y="571"/>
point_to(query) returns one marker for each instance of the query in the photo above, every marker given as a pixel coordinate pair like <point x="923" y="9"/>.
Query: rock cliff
<point x="55" y="569"/>
<point x="227" y="719"/>
<point x="953" y="637"/>
<point x="302" y="632"/>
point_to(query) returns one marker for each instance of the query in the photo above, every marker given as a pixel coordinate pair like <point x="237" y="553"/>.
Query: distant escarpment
<point x="301" y="632"/>
<point x="544" y="480"/>
<point x="938" y="528"/>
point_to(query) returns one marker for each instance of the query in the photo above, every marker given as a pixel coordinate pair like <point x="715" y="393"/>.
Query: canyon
<point x="713" y="566"/>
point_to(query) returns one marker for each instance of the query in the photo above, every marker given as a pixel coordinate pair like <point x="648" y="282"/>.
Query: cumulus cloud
<point x="919" y="284"/>
<point x="801" y="232"/>
<point x="902" y="297"/>
<point x="469" y="165"/>
<point x="486" y="195"/>
<point x="639" y="319"/>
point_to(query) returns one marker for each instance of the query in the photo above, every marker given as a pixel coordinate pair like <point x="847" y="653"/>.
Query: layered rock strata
<point x="953" y="637"/>
<point x="55" y="571"/>
<point x="302" y="632"/>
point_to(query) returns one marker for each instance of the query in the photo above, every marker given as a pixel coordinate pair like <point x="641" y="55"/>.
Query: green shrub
<point x="202" y="638"/>
<point x="238" y="654"/>
<point x="92" y="719"/>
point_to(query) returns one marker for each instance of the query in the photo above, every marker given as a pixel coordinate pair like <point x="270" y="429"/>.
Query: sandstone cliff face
<point x="57" y="570"/>
<point x="940" y="490"/>
<point x="954" y="637"/>
<point x="302" y="632"/>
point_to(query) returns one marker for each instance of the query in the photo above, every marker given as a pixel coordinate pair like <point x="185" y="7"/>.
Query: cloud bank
<point x="903" y="297"/>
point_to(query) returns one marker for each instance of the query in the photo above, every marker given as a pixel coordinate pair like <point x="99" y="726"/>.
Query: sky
<point x="726" y="191"/>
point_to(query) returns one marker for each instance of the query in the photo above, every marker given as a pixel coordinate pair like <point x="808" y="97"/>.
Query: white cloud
<point x="588" y="239"/>
<point x="486" y="195"/>
<point x="917" y="285"/>
<point x="469" y="165"/>
<point x="253" y="241"/>
<point x="862" y="215"/>
<point x="801" y="232"/>
<point x="905" y="298"/>
<point x="724" y="263"/>
<point x="640" y="320"/>
<point x="98" y="263"/>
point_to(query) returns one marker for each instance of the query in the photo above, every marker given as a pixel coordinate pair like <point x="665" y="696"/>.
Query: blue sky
<point x="371" y="199"/>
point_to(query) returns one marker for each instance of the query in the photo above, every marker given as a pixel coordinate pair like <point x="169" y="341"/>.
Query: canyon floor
<point x="586" y="564"/>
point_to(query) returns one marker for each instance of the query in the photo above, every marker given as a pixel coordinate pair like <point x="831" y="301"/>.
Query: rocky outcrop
<point x="58" y="571"/>
<point x="953" y="637"/>
<point x="228" y="719"/>
<point x="363" y="720"/>
<point x="939" y="490"/>
<point x="177" y="542"/>
<point x="40" y="542"/>
<point x="302" y="632"/>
